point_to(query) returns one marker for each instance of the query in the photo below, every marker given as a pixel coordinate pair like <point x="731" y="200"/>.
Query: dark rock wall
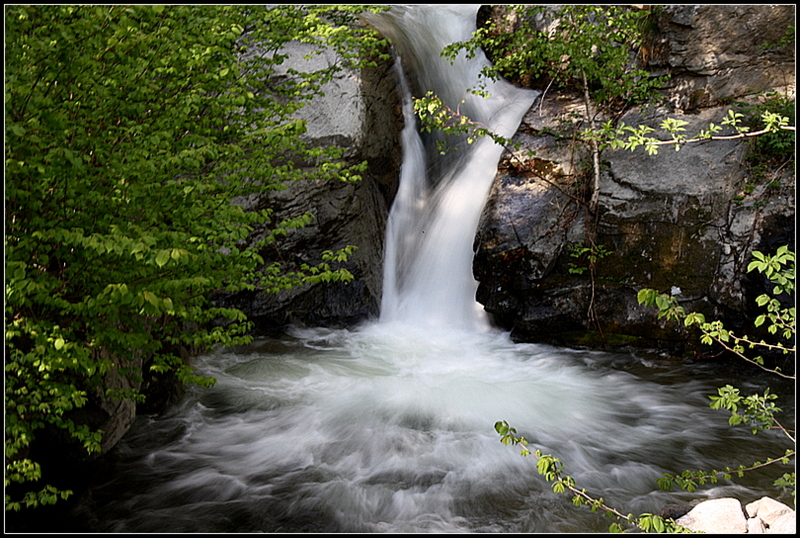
<point x="678" y="222"/>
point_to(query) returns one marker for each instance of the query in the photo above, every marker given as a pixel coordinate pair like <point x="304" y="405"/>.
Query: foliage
<point x="632" y="137"/>
<point x="590" y="46"/>
<point x="757" y="411"/>
<point x="768" y="155"/>
<point x="552" y="470"/>
<point x="435" y="115"/>
<point x="779" y="320"/>
<point x="772" y="152"/>
<point x="592" y="254"/>
<point x="582" y="45"/>
<point x="129" y="131"/>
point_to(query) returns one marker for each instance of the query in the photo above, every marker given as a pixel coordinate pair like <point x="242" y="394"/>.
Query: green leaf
<point x="162" y="257"/>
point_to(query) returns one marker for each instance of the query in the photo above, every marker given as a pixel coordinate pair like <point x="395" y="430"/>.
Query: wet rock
<point x="683" y="220"/>
<point x="674" y="511"/>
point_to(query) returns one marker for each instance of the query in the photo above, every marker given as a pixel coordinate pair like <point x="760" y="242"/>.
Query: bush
<point x="129" y="131"/>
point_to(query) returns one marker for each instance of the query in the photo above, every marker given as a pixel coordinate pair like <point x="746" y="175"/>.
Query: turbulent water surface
<point x="390" y="429"/>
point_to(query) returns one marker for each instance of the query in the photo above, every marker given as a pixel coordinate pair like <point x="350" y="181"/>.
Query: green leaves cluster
<point x="756" y="410"/>
<point x="616" y="136"/>
<point x="592" y="254"/>
<point x="581" y="44"/>
<point x="129" y="131"/>
<point x="778" y="319"/>
<point x="778" y="143"/>
<point x="435" y="115"/>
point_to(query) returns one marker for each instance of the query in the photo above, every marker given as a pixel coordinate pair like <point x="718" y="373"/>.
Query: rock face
<point x="714" y="53"/>
<point x="683" y="222"/>
<point x="360" y="112"/>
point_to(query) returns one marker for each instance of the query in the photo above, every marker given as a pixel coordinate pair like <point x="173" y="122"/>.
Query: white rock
<point x="755" y="526"/>
<point x="716" y="516"/>
<point x="767" y="509"/>
<point x="785" y="524"/>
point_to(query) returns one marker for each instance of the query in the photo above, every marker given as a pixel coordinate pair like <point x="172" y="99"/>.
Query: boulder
<point x="774" y="516"/>
<point x="716" y="516"/>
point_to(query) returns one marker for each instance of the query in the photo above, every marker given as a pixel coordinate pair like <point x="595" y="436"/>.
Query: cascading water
<point x="389" y="428"/>
<point x="428" y="264"/>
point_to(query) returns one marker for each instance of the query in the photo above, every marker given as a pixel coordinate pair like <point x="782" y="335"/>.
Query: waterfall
<point x="428" y="258"/>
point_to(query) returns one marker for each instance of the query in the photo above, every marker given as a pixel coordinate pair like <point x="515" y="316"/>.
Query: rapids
<point x="389" y="428"/>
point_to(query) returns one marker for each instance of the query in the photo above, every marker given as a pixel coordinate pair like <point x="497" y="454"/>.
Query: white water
<point x="428" y="264"/>
<point x="389" y="428"/>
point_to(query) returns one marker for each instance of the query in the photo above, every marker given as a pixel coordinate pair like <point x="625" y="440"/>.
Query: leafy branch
<point x="630" y="137"/>
<point x="780" y="270"/>
<point x="756" y="411"/>
<point x="553" y="471"/>
<point x="689" y="480"/>
<point x="435" y="115"/>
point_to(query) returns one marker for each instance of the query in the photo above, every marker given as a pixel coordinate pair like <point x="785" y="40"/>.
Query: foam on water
<point x="389" y="428"/>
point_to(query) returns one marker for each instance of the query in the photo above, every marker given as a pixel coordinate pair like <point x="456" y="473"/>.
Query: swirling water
<point x="389" y="427"/>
